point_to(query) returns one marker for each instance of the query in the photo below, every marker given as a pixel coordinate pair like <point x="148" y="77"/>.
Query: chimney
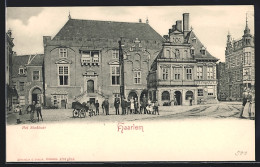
<point x="179" y="25"/>
<point x="186" y="23"/>
<point x="173" y="28"/>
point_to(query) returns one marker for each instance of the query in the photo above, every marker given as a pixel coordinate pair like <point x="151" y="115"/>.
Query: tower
<point x="247" y="37"/>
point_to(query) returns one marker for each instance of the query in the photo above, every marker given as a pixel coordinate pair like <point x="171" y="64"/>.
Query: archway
<point x="177" y="95"/>
<point x="189" y="94"/>
<point x="36" y="95"/>
<point x="165" y="95"/>
<point x="90" y="86"/>
<point x="132" y="94"/>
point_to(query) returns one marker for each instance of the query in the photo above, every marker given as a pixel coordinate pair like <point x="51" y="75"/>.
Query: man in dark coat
<point x="144" y="104"/>
<point x="124" y="105"/>
<point x="116" y="104"/>
<point x="97" y="107"/>
<point x="106" y="106"/>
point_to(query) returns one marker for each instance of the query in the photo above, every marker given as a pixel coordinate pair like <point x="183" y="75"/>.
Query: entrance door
<point x="34" y="98"/>
<point x="132" y="94"/>
<point x="178" y="97"/>
<point x="63" y="103"/>
<point x="90" y="86"/>
<point x="92" y="100"/>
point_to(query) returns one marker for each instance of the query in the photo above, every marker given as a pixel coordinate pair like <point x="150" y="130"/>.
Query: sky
<point x="210" y="23"/>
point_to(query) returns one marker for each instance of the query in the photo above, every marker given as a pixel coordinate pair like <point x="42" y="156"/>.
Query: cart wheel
<point x="82" y="113"/>
<point x="75" y="113"/>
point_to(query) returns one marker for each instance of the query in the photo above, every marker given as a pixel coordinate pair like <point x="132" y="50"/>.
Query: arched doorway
<point x="177" y="95"/>
<point x="165" y="95"/>
<point x="90" y="86"/>
<point x="132" y="94"/>
<point x="36" y="95"/>
<point x="144" y="93"/>
<point x="189" y="94"/>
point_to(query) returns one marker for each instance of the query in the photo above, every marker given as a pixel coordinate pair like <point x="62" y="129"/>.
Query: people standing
<point x="190" y="98"/>
<point x="144" y="104"/>
<point x="132" y="105"/>
<point x="97" y="107"/>
<point x="116" y="105"/>
<point x="31" y="110"/>
<point x="128" y="104"/>
<point x="103" y="106"/>
<point x="18" y="113"/>
<point x="136" y="105"/>
<point x="244" y="101"/>
<point x="249" y="100"/>
<point x="106" y="106"/>
<point x="38" y="108"/>
<point x="123" y="106"/>
<point x="156" y="107"/>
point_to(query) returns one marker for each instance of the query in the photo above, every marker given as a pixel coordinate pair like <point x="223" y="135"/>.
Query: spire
<point x="69" y="16"/>
<point x="247" y="30"/>
<point x="228" y="37"/>
<point x="191" y="28"/>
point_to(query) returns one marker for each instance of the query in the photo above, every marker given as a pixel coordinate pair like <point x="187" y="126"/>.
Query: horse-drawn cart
<point x="79" y="110"/>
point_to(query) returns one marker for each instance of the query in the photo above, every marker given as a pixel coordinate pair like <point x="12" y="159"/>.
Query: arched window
<point x="168" y="54"/>
<point x="90" y="86"/>
<point x="188" y="95"/>
<point x="165" y="95"/>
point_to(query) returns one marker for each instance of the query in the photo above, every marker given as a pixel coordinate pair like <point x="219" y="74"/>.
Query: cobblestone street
<point x="221" y="110"/>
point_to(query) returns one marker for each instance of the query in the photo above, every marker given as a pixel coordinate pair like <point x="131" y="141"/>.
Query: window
<point x="168" y="54"/>
<point x="200" y="92"/>
<point x="95" y="57"/>
<point x="186" y="54"/>
<point x="210" y="72"/>
<point x="194" y="40"/>
<point x="63" y="75"/>
<point x="21" y="85"/>
<point x="115" y="73"/>
<point x="115" y="54"/>
<point x="90" y="57"/>
<point x="36" y="75"/>
<point x="177" y="54"/>
<point x="247" y="58"/>
<point x="189" y="73"/>
<point x="54" y="100"/>
<point x="63" y="52"/>
<point x="165" y="72"/>
<point x="22" y="100"/>
<point x="21" y="70"/>
<point x="192" y="51"/>
<point x="165" y="95"/>
<point x="90" y="86"/>
<point x="203" y="51"/>
<point x="199" y="73"/>
<point x="177" y="73"/>
<point x="137" y="77"/>
<point x="210" y="90"/>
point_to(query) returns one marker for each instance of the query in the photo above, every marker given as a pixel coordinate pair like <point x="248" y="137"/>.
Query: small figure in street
<point x="144" y="104"/>
<point x="156" y="107"/>
<point x="124" y="106"/>
<point x="116" y="105"/>
<point x="38" y="108"/>
<point x="31" y="109"/>
<point x="149" y="107"/>
<point x="106" y="106"/>
<point x="250" y="101"/>
<point x="97" y="107"/>
<point x="18" y="113"/>
<point x="132" y="106"/>
<point x="244" y="101"/>
<point x="136" y="105"/>
<point x="175" y="100"/>
<point x="190" y="99"/>
<point x="103" y="106"/>
<point x="128" y="104"/>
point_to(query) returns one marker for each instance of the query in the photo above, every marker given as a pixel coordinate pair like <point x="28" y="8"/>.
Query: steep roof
<point x="197" y="47"/>
<point x="107" y="29"/>
<point x="25" y="60"/>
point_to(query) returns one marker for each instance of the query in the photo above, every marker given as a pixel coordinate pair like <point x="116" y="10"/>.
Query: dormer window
<point x="203" y="51"/>
<point x="194" y="40"/>
<point x="21" y="70"/>
<point x="63" y="52"/>
<point x="192" y="50"/>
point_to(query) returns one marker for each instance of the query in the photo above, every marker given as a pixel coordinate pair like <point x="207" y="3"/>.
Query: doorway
<point x="36" y="95"/>
<point x="132" y="94"/>
<point x="178" y="97"/>
<point x="92" y="100"/>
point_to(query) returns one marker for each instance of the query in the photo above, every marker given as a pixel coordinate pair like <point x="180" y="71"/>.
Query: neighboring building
<point x="222" y="90"/>
<point x="10" y="92"/>
<point x="82" y="63"/>
<point x="240" y="64"/>
<point x="183" y="67"/>
<point x="27" y="78"/>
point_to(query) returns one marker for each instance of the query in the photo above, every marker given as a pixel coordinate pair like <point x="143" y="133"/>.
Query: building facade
<point x="183" y="69"/>
<point x="10" y="92"/>
<point x="240" y="64"/>
<point x="27" y="78"/>
<point x="82" y="61"/>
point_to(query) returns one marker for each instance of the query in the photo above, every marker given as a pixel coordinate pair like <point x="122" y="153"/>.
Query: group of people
<point x="132" y="106"/>
<point x="31" y="109"/>
<point x="248" y="104"/>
